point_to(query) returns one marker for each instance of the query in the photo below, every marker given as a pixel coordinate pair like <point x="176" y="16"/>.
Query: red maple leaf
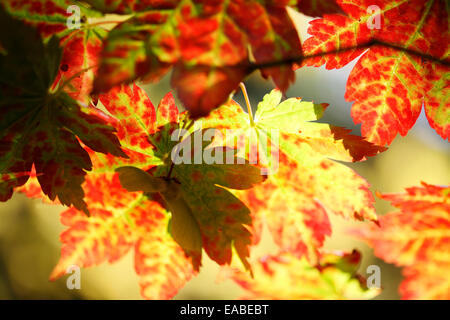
<point x="406" y="65"/>
<point x="206" y="42"/>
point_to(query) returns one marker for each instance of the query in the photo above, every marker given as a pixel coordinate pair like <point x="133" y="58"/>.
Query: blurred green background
<point x="29" y="229"/>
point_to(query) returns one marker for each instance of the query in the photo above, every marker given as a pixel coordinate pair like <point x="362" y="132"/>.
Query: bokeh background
<point x="29" y="229"/>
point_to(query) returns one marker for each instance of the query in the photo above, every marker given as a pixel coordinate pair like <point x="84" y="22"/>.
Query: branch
<point x="367" y="45"/>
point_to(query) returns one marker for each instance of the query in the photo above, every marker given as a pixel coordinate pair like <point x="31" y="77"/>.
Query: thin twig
<point x="367" y="45"/>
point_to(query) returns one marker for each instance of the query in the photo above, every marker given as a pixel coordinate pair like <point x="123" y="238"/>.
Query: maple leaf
<point x="121" y="221"/>
<point x="48" y="17"/>
<point x="79" y="61"/>
<point x="81" y="45"/>
<point x="389" y="83"/>
<point x="304" y="182"/>
<point x="284" y="276"/>
<point x="183" y="225"/>
<point x="436" y="98"/>
<point x="206" y="42"/>
<point x="417" y="238"/>
<point x="40" y="125"/>
<point x="221" y="217"/>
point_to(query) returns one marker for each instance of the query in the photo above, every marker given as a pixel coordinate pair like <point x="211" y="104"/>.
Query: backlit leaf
<point x="222" y="218"/>
<point x="388" y="85"/>
<point x="417" y="238"/>
<point x="303" y="183"/>
<point x="79" y="61"/>
<point x="166" y="252"/>
<point x="121" y="221"/>
<point x="206" y="42"/>
<point x="40" y="124"/>
<point x="48" y="17"/>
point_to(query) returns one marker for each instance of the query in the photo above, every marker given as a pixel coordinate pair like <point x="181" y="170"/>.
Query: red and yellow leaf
<point x="48" y="17"/>
<point x="303" y="184"/>
<point x="121" y="221"/>
<point x="79" y="61"/>
<point x="207" y="43"/>
<point x="41" y="124"/>
<point x="389" y="83"/>
<point x="222" y="218"/>
<point x="436" y="98"/>
<point x="417" y="238"/>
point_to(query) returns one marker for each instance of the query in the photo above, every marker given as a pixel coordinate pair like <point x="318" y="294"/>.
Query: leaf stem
<point x="252" y="66"/>
<point x="247" y="102"/>
<point x="362" y="46"/>
<point x="189" y="125"/>
<point x="186" y="126"/>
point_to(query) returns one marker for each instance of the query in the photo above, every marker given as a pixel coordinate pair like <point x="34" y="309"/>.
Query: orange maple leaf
<point x="417" y="238"/>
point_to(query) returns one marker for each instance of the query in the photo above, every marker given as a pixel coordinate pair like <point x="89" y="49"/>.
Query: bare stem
<point x="247" y="102"/>
<point x="366" y="45"/>
<point x="186" y="127"/>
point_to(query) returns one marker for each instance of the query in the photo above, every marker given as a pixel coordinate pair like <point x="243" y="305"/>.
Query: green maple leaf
<point x="304" y="184"/>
